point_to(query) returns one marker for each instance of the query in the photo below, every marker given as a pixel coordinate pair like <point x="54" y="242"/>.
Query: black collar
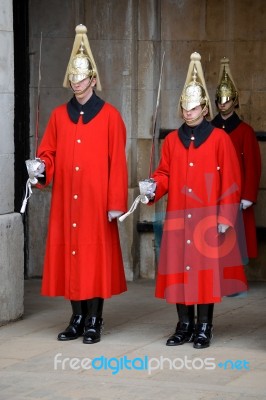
<point x="88" y="110"/>
<point x="198" y="134"/>
<point x="229" y="124"/>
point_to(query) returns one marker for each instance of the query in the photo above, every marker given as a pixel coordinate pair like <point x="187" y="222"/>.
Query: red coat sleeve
<point x="161" y="174"/>
<point x="47" y="150"/>
<point x="230" y="180"/>
<point x="251" y="162"/>
<point x="118" y="180"/>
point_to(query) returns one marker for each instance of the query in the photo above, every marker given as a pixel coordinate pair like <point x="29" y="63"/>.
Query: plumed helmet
<point x="226" y="89"/>
<point x="195" y="91"/>
<point x="81" y="64"/>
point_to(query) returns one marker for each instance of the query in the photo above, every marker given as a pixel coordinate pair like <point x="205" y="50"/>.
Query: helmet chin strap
<point x="77" y="92"/>
<point x="191" y="121"/>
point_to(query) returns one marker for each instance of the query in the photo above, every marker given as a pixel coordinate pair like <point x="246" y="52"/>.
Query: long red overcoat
<point x="248" y="153"/>
<point x="87" y="164"/>
<point x="197" y="265"/>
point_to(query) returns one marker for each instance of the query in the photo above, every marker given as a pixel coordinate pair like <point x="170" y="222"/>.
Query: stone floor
<point x="132" y="361"/>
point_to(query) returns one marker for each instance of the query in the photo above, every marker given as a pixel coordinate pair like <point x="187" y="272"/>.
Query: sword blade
<point x="38" y="101"/>
<point x="155" y="116"/>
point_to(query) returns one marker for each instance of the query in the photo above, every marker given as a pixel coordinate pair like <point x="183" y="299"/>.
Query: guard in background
<point x="83" y="154"/>
<point x="247" y="149"/>
<point x="200" y="261"/>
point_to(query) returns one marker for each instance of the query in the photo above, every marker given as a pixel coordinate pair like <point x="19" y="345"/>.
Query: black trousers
<point x="91" y="307"/>
<point x="187" y="313"/>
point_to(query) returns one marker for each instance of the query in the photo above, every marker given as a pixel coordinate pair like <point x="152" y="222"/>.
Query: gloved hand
<point x="147" y="188"/>
<point x="222" y="228"/>
<point x="114" y="214"/>
<point x="244" y="204"/>
<point x="35" y="169"/>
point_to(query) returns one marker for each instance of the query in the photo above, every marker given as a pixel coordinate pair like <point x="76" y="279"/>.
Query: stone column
<point x="11" y="227"/>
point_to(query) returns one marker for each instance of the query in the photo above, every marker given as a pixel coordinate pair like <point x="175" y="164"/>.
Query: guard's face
<point x="194" y="116"/>
<point x="225" y="106"/>
<point x="84" y="88"/>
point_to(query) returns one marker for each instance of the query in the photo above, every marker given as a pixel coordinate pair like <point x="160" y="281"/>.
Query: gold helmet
<point x="195" y="91"/>
<point x="81" y="64"/>
<point x="226" y="89"/>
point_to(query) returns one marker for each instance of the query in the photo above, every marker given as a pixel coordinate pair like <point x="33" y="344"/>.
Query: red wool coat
<point x="87" y="164"/>
<point x="248" y="152"/>
<point x="196" y="265"/>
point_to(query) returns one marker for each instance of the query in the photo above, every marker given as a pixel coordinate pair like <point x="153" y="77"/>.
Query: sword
<point x="32" y="165"/>
<point x="38" y="100"/>
<point x="155" y="116"/>
<point x="147" y="186"/>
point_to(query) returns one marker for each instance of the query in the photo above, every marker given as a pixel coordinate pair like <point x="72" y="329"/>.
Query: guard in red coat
<point x="247" y="149"/>
<point x="200" y="259"/>
<point x="83" y="154"/>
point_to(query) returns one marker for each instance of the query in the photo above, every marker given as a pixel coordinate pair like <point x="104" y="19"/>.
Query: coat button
<point x="188" y="241"/>
<point x="187" y="267"/>
<point x="189" y="215"/>
<point x="73" y="253"/>
<point x="190" y="190"/>
<point x="77" y="168"/>
<point x="75" y="197"/>
<point x="74" y="225"/>
<point x="191" y="164"/>
<point x="78" y="141"/>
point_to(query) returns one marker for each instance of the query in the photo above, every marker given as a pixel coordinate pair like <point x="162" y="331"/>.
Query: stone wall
<point x="11" y="229"/>
<point x="128" y="38"/>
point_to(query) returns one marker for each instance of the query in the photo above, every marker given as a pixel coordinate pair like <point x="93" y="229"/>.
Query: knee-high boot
<point x="76" y="324"/>
<point x="203" y="331"/>
<point x="94" y="321"/>
<point x="185" y="327"/>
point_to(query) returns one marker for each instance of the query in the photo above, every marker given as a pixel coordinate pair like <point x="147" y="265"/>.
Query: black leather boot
<point x="93" y="330"/>
<point x="203" y="335"/>
<point x="185" y="327"/>
<point x="184" y="333"/>
<point x="74" y="330"/>
<point x="76" y="324"/>
<point x="203" y="331"/>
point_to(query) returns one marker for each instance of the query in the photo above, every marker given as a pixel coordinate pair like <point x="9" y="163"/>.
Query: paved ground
<point x="132" y="361"/>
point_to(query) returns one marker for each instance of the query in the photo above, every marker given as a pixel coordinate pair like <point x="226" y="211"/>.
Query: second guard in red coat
<point x="200" y="259"/>
<point x="247" y="149"/>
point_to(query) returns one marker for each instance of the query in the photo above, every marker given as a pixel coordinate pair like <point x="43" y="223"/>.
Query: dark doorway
<point x="22" y="108"/>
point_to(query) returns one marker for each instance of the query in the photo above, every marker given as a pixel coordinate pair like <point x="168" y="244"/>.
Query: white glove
<point x="35" y="169"/>
<point x="114" y="214"/>
<point x="147" y="188"/>
<point x="222" y="228"/>
<point x="244" y="204"/>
